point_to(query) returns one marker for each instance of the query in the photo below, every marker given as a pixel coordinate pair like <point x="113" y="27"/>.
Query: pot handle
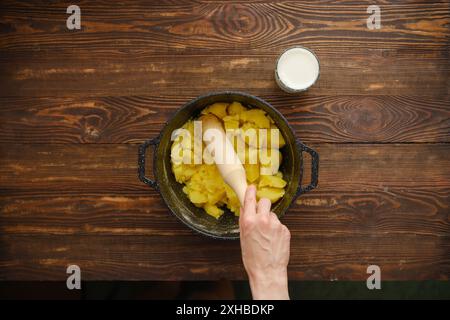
<point x="314" y="169"/>
<point x="141" y="161"/>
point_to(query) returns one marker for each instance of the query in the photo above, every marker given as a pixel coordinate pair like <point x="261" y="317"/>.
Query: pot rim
<point x="226" y="92"/>
<point x="194" y="101"/>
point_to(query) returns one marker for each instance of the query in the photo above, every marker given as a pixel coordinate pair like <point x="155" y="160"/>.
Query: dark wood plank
<point x="359" y="191"/>
<point x="74" y="104"/>
<point x="359" y="71"/>
<point x="382" y="204"/>
<point x="112" y="168"/>
<point x="174" y="49"/>
<point x="42" y="257"/>
<point x="377" y="211"/>
<point x="223" y="27"/>
<point x="133" y="119"/>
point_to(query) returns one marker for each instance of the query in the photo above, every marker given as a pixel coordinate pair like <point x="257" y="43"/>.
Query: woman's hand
<point x="265" y="246"/>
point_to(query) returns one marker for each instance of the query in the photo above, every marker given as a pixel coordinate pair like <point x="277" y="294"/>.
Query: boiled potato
<point x="260" y="137"/>
<point x="265" y="156"/>
<point x="232" y="200"/>
<point x="187" y="137"/>
<point x="176" y="153"/>
<point x="249" y="133"/>
<point x="219" y="109"/>
<point x="270" y="169"/>
<point x="231" y="122"/>
<point x="251" y="155"/>
<point x="271" y="181"/>
<point x="269" y="165"/>
<point x="183" y="172"/>
<point x="265" y="138"/>
<point x="252" y="172"/>
<point x="213" y="210"/>
<point x="255" y="116"/>
<point x="181" y="156"/>
<point x="203" y="183"/>
<point x="236" y="108"/>
<point x="197" y="196"/>
<point x="216" y="197"/>
<point x="281" y="141"/>
<point x="273" y="194"/>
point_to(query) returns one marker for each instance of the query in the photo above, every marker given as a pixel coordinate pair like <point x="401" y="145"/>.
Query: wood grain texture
<point x="65" y="168"/>
<point x="365" y="211"/>
<point x="377" y="211"/>
<point x="172" y="258"/>
<point x="174" y="47"/>
<point x="75" y="104"/>
<point x="133" y="119"/>
<point x="221" y="27"/>
<point x="358" y="72"/>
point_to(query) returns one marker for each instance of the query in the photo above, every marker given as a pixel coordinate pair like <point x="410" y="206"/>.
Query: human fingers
<point x="263" y="206"/>
<point x="249" y="201"/>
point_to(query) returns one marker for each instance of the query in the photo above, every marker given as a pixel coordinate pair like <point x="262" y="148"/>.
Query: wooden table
<point x="75" y="104"/>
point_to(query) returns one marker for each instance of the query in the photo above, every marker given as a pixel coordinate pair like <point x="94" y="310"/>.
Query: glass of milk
<point x="297" y="69"/>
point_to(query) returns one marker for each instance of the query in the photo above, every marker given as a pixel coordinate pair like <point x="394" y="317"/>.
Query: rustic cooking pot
<point x="227" y="226"/>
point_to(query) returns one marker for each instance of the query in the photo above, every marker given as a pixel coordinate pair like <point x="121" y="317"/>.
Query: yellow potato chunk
<point x="236" y="108"/>
<point x="255" y="116"/>
<point x="215" y="197"/>
<point x="213" y="210"/>
<point x="273" y="194"/>
<point x="176" y="153"/>
<point x="260" y="138"/>
<point x="281" y="141"/>
<point x="202" y="182"/>
<point x="179" y="155"/>
<point x="271" y="181"/>
<point x="268" y="170"/>
<point x="252" y="172"/>
<point x="232" y="200"/>
<point x="268" y="159"/>
<point x="197" y="196"/>
<point x="251" y="155"/>
<point x="231" y="122"/>
<point x="265" y="138"/>
<point x="183" y="172"/>
<point x="187" y="137"/>
<point x="219" y="109"/>
<point x="249" y="133"/>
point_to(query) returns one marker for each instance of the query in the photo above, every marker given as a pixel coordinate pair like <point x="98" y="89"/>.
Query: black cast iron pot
<point x="227" y="226"/>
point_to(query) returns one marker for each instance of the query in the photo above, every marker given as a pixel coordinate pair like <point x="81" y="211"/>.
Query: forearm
<point x="270" y="287"/>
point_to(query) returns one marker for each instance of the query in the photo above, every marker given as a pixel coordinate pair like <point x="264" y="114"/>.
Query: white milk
<point x="297" y="69"/>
